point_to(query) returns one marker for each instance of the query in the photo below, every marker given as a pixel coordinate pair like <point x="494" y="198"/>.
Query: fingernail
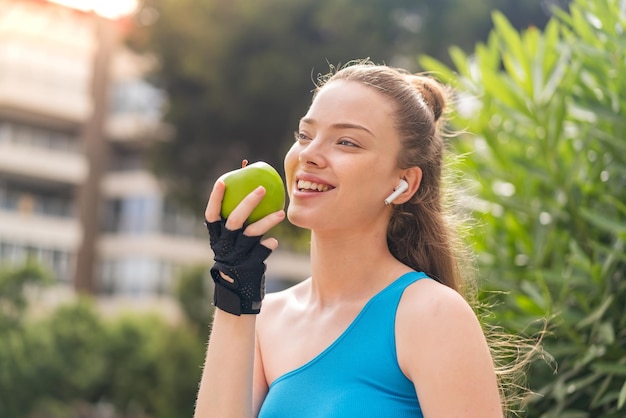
<point x="259" y="190"/>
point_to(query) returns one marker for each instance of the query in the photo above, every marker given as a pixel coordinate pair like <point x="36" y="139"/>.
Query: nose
<point x="312" y="154"/>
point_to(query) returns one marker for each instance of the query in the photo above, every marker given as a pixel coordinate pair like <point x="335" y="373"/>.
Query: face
<point x="343" y="163"/>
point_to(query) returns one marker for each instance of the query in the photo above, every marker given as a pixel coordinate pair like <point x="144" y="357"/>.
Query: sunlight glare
<point x="111" y="9"/>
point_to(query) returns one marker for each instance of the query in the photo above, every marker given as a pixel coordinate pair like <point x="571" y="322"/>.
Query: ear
<point x="413" y="176"/>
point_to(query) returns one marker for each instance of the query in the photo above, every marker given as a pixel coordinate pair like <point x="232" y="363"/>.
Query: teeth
<point x="308" y="185"/>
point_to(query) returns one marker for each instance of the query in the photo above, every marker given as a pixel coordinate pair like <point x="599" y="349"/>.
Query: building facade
<point x="44" y="100"/>
<point x="143" y="241"/>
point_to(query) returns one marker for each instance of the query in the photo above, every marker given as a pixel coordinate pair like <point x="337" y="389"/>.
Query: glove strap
<point x="227" y="300"/>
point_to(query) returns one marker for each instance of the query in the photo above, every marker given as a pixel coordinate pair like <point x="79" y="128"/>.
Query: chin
<point x="294" y="219"/>
<point x="299" y="219"/>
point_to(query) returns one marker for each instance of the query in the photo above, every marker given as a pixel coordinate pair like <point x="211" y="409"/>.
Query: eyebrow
<point x="344" y="125"/>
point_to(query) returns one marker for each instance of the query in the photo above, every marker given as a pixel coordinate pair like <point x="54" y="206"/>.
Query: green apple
<point x="241" y="182"/>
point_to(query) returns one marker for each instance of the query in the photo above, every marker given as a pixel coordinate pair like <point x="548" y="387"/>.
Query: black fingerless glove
<point x="241" y="258"/>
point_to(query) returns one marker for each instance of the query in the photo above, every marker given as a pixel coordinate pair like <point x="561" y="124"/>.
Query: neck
<point x="351" y="265"/>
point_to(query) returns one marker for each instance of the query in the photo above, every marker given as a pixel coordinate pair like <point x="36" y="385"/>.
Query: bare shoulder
<point x="437" y="317"/>
<point x="427" y="301"/>
<point x="441" y="347"/>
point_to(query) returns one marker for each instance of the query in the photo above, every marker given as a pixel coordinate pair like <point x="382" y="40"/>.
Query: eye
<point x="348" y="143"/>
<point x="299" y="136"/>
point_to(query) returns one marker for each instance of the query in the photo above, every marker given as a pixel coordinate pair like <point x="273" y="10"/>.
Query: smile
<point x="304" y="185"/>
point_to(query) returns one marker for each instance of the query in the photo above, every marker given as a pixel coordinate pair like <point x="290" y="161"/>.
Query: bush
<point x="545" y="116"/>
<point x="76" y="363"/>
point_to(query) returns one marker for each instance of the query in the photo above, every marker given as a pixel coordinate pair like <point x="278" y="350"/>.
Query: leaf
<point x="609" y="368"/>
<point x="460" y="60"/>
<point x="597" y="314"/>
<point x="490" y="52"/>
<point x="439" y="69"/>
<point x="534" y="293"/>
<point x="621" y="400"/>
<point x="606" y="333"/>
<point x="581" y="25"/>
<point x="512" y="40"/>
<point x="601" y="221"/>
<point x="551" y="41"/>
<point x="555" y="77"/>
<point x="517" y="72"/>
<point x="599" y="395"/>
<point x="572" y="414"/>
<point x="504" y="90"/>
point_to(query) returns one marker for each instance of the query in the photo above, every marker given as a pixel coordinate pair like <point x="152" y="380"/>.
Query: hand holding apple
<point x="241" y="182"/>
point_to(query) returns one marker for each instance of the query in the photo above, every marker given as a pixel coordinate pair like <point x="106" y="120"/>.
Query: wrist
<point x="232" y="301"/>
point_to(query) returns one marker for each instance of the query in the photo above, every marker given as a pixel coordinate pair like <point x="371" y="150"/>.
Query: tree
<point x="195" y="298"/>
<point x="74" y="362"/>
<point x="13" y="281"/>
<point x="14" y="358"/>
<point x="546" y="114"/>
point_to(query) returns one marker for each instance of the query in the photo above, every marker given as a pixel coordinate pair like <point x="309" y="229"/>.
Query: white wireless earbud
<point x="400" y="188"/>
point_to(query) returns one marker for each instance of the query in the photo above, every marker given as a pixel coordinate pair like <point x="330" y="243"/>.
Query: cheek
<point x="291" y="162"/>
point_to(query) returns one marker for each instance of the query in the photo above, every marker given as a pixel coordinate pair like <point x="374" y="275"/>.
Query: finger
<point x="264" y="224"/>
<point x="227" y="278"/>
<point x="214" y="205"/>
<point x="242" y="211"/>
<point x="270" y="243"/>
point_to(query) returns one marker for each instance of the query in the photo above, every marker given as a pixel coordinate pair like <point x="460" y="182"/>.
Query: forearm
<point x="226" y="385"/>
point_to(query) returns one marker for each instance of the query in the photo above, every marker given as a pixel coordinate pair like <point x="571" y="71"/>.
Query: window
<point x="134" y="215"/>
<point x="136" y="276"/>
<point x="175" y="221"/>
<point x="55" y="261"/>
<point x="5" y="132"/>
<point x="32" y="136"/>
<point x="126" y="159"/>
<point x="15" y="197"/>
<point x="137" y="97"/>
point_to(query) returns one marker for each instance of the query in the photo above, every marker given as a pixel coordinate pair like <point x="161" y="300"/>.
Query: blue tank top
<point x="357" y="375"/>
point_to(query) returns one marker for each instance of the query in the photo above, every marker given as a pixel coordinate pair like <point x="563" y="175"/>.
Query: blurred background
<point x="117" y="116"/>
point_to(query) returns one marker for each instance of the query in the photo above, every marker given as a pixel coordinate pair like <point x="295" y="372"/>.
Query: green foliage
<point x="151" y="365"/>
<point x="65" y="354"/>
<point x="546" y="117"/>
<point x="13" y="301"/>
<point x="75" y="362"/>
<point x="194" y="294"/>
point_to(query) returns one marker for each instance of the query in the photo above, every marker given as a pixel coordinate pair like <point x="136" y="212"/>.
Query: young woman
<point x="380" y="329"/>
